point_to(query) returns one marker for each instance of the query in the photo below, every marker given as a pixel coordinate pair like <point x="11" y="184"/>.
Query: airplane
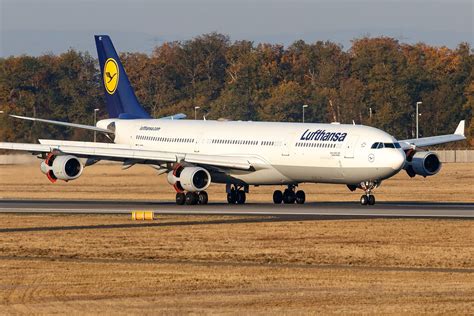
<point x="239" y="154"/>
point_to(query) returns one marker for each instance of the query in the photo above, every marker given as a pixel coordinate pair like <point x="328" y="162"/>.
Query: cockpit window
<point x="379" y="145"/>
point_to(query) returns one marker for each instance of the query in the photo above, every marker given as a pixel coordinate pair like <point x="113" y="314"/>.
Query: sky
<point x="34" y="27"/>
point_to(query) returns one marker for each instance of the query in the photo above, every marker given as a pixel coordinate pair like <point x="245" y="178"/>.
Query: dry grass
<point x="196" y="264"/>
<point x="453" y="183"/>
<point x="141" y="288"/>
<point x="222" y="264"/>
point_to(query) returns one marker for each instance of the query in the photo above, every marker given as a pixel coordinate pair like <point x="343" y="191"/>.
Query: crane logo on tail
<point x="111" y="75"/>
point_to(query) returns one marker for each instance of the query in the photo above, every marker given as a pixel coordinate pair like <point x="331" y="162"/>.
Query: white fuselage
<point x="290" y="152"/>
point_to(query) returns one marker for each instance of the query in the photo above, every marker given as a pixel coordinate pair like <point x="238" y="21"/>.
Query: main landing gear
<point x="368" y="198"/>
<point x="289" y="196"/>
<point x="236" y="194"/>
<point x="191" y="198"/>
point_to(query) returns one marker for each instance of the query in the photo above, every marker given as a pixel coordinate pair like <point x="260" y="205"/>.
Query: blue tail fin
<point x="121" y="100"/>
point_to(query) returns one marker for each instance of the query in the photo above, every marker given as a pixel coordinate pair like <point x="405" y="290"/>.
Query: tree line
<point x="376" y="82"/>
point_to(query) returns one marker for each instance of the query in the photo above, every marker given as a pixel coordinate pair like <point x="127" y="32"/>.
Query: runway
<point x="317" y="210"/>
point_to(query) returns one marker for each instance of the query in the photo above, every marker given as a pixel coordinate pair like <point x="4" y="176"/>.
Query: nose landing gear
<point x="368" y="198"/>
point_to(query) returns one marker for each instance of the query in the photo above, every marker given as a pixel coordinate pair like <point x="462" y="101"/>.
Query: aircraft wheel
<point x="232" y="197"/>
<point x="300" y="197"/>
<point x="371" y="200"/>
<point x="241" y="197"/>
<point x="180" y="198"/>
<point x="364" y="200"/>
<point x="203" y="198"/>
<point x="191" y="198"/>
<point x="277" y="197"/>
<point x="289" y="197"/>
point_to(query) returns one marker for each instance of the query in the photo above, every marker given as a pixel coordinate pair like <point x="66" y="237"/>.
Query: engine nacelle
<point x="423" y="163"/>
<point x="62" y="167"/>
<point x="192" y="179"/>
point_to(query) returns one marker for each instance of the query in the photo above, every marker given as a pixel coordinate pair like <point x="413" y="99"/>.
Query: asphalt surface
<point x="317" y="210"/>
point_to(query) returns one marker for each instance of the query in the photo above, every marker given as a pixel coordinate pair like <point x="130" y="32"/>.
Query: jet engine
<point x="192" y="179"/>
<point x="62" y="167"/>
<point x="423" y="163"/>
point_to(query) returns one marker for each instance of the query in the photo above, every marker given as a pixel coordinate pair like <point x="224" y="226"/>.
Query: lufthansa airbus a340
<point x="194" y="153"/>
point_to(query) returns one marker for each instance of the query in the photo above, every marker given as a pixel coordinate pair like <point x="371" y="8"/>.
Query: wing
<point x="124" y="153"/>
<point x="435" y="140"/>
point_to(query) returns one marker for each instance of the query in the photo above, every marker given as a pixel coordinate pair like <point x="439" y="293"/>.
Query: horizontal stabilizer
<point x="74" y="125"/>
<point x="178" y="116"/>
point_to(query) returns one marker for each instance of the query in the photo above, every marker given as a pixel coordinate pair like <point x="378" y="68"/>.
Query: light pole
<point x="95" y="122"/>
<point x="195" y="111"/>
<point x="304" y="106"/>
<point x="417" y="105"/>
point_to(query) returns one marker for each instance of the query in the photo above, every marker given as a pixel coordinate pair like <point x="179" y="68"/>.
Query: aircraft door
<point x="286" y="144"/>
<point x="284" y="149"/>
<point x="197" y="142"/>
<point x="349" y="146"/>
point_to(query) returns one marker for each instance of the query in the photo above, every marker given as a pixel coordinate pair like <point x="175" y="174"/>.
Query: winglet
<point x="460" y="129"/>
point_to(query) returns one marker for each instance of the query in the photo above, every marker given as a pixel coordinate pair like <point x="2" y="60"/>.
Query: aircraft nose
<point x="397" y="160"/>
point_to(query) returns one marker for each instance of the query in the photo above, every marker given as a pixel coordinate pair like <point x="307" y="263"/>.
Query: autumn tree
<point x="375" y="82"/>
